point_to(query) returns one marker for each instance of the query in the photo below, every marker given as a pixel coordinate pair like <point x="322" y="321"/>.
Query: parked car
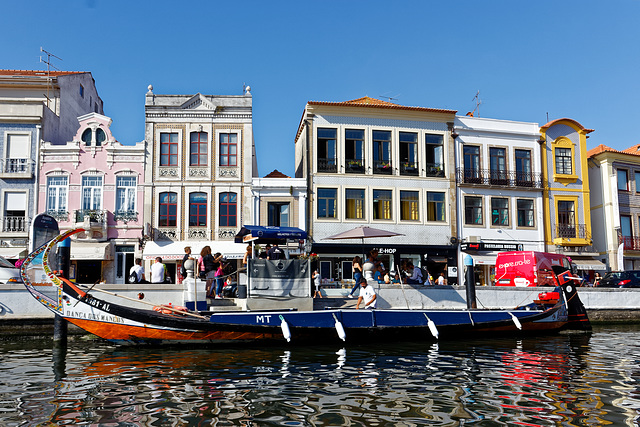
<point x="620" y="279"/>
<point x="9" y="274"/>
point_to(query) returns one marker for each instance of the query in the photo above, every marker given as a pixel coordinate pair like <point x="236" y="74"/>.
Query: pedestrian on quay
<point x="367" y="294"/>
<point x="356" y="265"/>
<point x="158" y="271"/>
<point x="316" y="281"/>
<point x="187" y="255"/>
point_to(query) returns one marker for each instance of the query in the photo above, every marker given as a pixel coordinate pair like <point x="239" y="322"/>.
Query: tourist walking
<point x="356" y="266"/>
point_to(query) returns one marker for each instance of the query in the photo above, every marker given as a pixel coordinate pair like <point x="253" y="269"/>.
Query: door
<point x="124" y="262"/>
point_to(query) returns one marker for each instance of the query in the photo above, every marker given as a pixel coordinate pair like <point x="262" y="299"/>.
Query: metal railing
<point x="14" y="224"/>
<point x="17" y="166"/>
<point x="631" y="243"/>
<point x="501" y="178"/>
<point x="125" y="216"/>
<point x="382" y="167"/>
<point x="354" y="165"/>
<point x="409" y="168"/>
<point x="93" y="215"/>
<point x="434" y="169"/>
<point x="569" y="231"/>
<point x="327" y="165"/>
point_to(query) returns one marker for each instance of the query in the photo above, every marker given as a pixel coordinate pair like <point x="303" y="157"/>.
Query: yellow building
<point x="567" y="213"/>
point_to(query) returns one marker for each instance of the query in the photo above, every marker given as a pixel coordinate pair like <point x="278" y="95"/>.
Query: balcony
<point x="327" y="165"/>
<point x="499" y="178"/>
<point x="354" y="166"/>
<point x="59" y="216"/>
<point x="16" y="168"/>
<point x="91" y="215"/>
<point x="94" y="222"/>
<point x="125" y="216"/>
<point x="434" y="169"/>
<point x="630" y="243"/>
<point x="571" y="235"/>
<point x="382" y="167"/>
<point x="409" y="168"/>
<point x="14" y="224"/>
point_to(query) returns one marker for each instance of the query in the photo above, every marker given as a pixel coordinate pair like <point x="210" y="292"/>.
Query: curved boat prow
<point x="578" y="319"/>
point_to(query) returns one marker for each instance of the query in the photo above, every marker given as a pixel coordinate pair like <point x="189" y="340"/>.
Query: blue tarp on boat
<point x="252" y="232"/>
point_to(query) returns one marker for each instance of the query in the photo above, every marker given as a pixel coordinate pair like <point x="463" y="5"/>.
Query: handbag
<point x="202" y="275"/>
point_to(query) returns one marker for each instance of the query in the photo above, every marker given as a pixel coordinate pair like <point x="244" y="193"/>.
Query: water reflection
<point x="565" y="380"/>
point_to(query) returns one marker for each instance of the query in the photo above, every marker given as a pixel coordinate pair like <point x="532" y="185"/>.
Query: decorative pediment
<point x="198" y="102"/>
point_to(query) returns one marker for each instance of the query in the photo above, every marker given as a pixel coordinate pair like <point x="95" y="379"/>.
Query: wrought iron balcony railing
<point x="125" y="216"/>
<point x="568" y="231"/>
<point x="382" y="167"/>
<point x="14" y="224"/>
<point x="631" y="243"/>
<point x="19" y="167"/>
<point x="434" y="169"/>
<point x="409" y="168"/>
<point x="93" y="215"/>
<point x="499" y="178"/>
<point x="327" y="165"/>
<point x="354" y="165"/>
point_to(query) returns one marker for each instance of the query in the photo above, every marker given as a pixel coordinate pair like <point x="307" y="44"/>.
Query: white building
<point x="198" y="175"/>
<point x="500" y="184"/>
<point x="384" y="165"/>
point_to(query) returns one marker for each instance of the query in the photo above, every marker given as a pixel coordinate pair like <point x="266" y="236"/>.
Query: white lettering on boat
<point x="263" y="319"/>
<point x="94" y="316"/>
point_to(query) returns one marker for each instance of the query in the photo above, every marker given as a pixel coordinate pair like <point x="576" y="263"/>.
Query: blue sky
<point x="576" y="59"/>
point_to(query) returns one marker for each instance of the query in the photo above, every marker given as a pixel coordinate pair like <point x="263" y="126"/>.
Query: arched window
<point x="198" y="210"/>
<point x="86" y="137"/>
<point x="228" y="210"/>
<point x="100" y="137"/>
<point x="168" y="209"/>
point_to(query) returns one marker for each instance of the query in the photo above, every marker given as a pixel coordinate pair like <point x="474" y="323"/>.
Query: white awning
<point x="484" y="259"/>
<point x="588" y="264"/>
<point x="13" y="253"/>
<point x="91" y="251"/>
<point x="175" y="250"/>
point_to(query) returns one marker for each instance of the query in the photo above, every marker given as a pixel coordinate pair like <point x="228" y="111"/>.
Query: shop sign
<point x="386" y="251"/>
<point x="488" y="246"/>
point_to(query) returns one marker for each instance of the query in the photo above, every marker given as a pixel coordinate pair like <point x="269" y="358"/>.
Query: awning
<point x="175" y="250"/>
<point x="484" y="259"/>
<point x="13" y="253"/>
<point x="91" y="251"/>
<point x="253" y="232"/>
<point x="588" y="264"/>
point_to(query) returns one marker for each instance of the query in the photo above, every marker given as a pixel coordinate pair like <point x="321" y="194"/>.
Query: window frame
<point x="626" y="179"/>
<point x="57" y="196"/>
<point x="273" y="214"/>
<point x="126" y="193"/>
<point x="355" y="164"/>
<point x="471" y="162"/>
<point x="501" y="212"/>
<point x="226" y="218"/>
<point x="375" y="203"/>
<point x="356" y="201"/>
<point x="436" y="207"/>
<point x="327" y="200"/>
<point x="380" y="148"/>
<point x="411" y="205"/>
<point x="467" y="212"/>
<point x="92" y="194"/>
<point x="169" y="159"/>
<point x="408" y="148"/>
<point x="532" y="213"/>
<point x="199" y="218"/>
<point x="226" y="157"/>
<point x="170" y="206"/>
<point x="326" y="164"/>
<point x="434" y="169"/>
<point x="201" y="149"/>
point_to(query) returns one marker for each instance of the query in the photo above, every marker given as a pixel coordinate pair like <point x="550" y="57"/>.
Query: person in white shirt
<point x="441" y="280"/>
<point x="158" y="271"/>
<point x="367" y="294"/>
<point x="139" y="270"/>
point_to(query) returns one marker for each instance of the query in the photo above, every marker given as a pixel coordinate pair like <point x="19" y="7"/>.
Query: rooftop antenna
<point x="478" y="102"/>
<point x="49" y="66"/>
<point x="391" y="98"/>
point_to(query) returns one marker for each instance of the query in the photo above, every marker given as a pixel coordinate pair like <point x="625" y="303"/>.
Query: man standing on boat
<point x="367" y="294"/>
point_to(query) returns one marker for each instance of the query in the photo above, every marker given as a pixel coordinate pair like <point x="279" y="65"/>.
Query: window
<point x="566" y="219"/>
<point x="498" y="164"/>
<point x="81" y="91"/>
<point x="382" y="203"/>
<point x="354" y="204"/>
<point x="434" y="155"/>
<point x="168" y="149"/>
<point x="623" y="180"/>
<point x="382" y="152"/>
<point x="471" y="155"/>
<point x="91" y="193"/>
<point x="435" y="206"/>
<point x="228" y="210"/>
<point x="637" y="179"/>
<point x="125" y="194"/>
<point x="354" y="150"/>
<point x="327" y="150"/>
<point x="525" y="213"/>
<point x="15" y="209"/>
<point x="228" y="149"/>
<point x="198" y="148"/>
<point x="563" y="161"/>
<point x="409" y="206"/>
<point x="327" y="201"/>
<point x="168" y="209"/>
<point x="523" y="167"/>
<point x="197" y="209"/>
<point x="626" y="230"/>
<point x="18" y="152"/>
<point x="278" y="214"/>
<point x="100" y="137"/>
<point x="408" y="153"/>
<point x="473" y="210"/>
<point x="57" y="194"/>
<point x="499" y="211"/>
<point x="87" y="136"/>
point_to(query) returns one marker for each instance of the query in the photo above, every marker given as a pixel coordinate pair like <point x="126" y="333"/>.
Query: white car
<point x="9" y="274"/>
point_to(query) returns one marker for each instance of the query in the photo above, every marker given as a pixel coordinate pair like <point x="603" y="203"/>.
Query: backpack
<point x="133" y="277"/>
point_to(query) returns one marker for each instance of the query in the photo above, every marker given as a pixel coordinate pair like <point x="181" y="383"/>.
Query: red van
<point x="528" y="268"/>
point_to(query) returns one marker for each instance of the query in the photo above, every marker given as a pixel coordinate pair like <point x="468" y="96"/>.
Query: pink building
<point x="94" y="182"/>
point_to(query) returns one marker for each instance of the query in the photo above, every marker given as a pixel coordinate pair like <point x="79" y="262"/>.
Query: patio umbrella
<point x="363" y="232"/>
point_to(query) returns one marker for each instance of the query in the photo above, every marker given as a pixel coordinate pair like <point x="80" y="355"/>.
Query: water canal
<point x="558" y="380"/>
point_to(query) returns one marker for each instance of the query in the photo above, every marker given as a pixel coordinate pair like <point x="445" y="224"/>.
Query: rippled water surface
<point x="558" y="380"/>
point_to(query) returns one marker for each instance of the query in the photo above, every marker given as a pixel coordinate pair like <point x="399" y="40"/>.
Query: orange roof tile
<point x="277" y="174"/>
<point x="635" y="150"/>
<point x="367" y="101"/>
<point x="38" y="73"/>
<point x="600" y="149"/>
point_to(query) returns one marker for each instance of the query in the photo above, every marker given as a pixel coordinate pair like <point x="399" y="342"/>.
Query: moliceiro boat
<point x="127" y="323"/>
